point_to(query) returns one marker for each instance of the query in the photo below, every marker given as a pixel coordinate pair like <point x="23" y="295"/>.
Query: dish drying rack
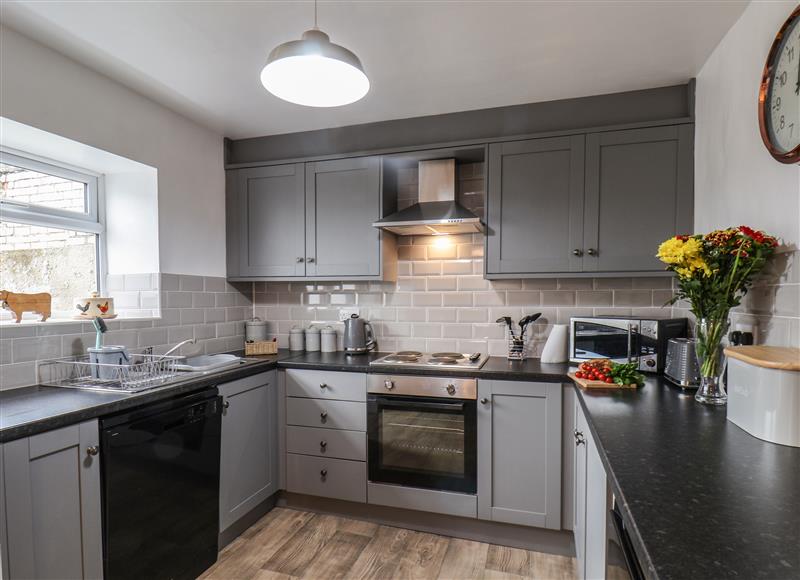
<point x="145" y="371"/>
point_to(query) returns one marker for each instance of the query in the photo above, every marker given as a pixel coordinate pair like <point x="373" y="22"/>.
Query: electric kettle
<point x="358" y="336"/>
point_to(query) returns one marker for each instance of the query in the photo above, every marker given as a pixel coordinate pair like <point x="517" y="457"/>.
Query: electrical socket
<point x="345" y="313"/>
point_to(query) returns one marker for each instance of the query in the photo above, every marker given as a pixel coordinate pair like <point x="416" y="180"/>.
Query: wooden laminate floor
<point x="287" y="544"/>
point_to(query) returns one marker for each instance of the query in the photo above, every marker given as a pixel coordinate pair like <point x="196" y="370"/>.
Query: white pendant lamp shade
<point x="314" y="72"/>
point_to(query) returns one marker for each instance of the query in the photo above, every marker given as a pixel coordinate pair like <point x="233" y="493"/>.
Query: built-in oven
<point x="621" y="560"/>
<point x="422" y="432"/>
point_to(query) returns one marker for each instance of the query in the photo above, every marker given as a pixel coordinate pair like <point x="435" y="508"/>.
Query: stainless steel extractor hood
<point x="437" y="212"/>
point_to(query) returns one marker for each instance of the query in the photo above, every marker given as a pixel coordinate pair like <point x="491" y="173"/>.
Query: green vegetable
<point x="626" y="374"/>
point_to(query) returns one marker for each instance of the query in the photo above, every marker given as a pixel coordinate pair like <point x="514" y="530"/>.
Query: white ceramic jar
<point x="312" y="339"/>
<point x="328" y="339"/>
<point x="297" y="339"/>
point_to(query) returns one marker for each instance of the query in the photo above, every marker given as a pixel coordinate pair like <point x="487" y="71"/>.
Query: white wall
<point x="46" y="90"/>
<point x="736" y="180"/>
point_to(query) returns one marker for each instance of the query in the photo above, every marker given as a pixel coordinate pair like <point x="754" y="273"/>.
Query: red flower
<point x="749" y="232"/>
<point x="682" y="238"/>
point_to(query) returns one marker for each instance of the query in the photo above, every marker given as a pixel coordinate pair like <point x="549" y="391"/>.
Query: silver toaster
<point x="681" y="365"/>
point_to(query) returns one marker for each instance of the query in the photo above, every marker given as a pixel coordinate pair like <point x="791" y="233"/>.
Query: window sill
<point x="113" y="323"/>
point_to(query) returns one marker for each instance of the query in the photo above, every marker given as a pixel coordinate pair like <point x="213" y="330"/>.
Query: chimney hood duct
<point x="437" y="212"/>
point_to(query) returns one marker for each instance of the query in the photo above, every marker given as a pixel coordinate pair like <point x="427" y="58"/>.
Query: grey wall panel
<point x="595" y="111"/>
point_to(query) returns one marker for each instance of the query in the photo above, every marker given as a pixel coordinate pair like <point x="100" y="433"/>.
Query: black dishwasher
<point x="160" y="473"/>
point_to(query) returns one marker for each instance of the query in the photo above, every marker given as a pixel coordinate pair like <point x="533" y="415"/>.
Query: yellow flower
<point x="684" y="255"/>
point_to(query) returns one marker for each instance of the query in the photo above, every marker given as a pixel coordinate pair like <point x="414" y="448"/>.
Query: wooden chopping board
<point x="589" y="384"/>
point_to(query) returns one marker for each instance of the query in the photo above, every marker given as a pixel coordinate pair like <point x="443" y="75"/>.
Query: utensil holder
<point x="516" y="348"/>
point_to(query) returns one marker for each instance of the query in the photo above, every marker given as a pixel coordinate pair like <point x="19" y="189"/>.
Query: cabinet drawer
<point x="336" y="478"/>
<point x="327" y="443"/>
<point x="326" y="414"/>
<point x="326" y="385"/>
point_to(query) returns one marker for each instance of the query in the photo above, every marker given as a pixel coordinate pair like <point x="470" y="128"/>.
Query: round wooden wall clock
<point x="779" y="96"/>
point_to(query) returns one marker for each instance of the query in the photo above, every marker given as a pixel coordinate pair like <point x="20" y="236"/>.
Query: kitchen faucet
<point x="177" y="346"/>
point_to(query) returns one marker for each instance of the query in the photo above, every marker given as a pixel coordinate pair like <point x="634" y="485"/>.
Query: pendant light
<point x="314" y="72"/>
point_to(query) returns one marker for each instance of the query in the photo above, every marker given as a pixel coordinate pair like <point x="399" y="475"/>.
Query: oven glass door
<point x="423" y="442"/>
<point x="598" y="339"/>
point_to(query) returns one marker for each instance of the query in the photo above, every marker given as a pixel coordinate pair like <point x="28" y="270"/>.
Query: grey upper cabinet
<point x="249" y="449"/>
<point x="266" y="222"/>
<point x="519" y="453"/>
<point x="52" y="506"/>
<point x="535" y="206"/>
<point x="639" y="192"/>
<point x="342" y="202"/>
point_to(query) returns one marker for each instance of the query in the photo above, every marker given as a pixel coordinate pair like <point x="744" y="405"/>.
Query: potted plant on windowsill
<point x="715" y="271"/>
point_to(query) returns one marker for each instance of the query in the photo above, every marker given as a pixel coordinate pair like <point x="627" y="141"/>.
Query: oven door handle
<point x="386" y="402"/>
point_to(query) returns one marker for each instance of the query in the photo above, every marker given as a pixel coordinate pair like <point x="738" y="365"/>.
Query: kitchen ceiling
<point x="203" y="59"/>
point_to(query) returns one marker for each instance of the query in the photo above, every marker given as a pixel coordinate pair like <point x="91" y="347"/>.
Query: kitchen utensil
<point x="681" y="365"/>
<point x="358" y="336"/>
<point x="255" y="330"/>
<point x="296" y="338"/>
<point x="555" y="349"/>
<point x="100" y="328"/>
<point x="107" y="360"/>
<point x="507" y="321"/>
<point x="523" y="324"/>
<point x="312" y="339"/>
<point x="328" y="339"/>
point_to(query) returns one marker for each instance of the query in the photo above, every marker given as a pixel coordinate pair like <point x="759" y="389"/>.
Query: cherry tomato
<point x="579" y="375"/>
<point x="609" y="380"/>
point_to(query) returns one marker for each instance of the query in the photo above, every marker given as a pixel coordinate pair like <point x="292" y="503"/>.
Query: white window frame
<point x="92" y="221"/>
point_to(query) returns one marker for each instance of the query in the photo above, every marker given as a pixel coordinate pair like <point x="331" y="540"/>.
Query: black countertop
<point x="703" y="499"/>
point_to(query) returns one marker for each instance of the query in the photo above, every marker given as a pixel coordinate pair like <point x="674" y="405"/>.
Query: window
<point x="51" y="235"/>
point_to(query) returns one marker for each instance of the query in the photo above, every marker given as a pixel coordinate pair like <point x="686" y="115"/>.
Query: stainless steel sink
<point x="208" y="362"/>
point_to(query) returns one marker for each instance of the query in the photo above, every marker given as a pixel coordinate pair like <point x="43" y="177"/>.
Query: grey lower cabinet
<point x="308" y="221"/>
<point x="519" y="453"/>
<point x="325" y="434"/>
<point x="587" y="204"/>
<point x="592" y="502"/>
<point x="51" y="512"/>
<point x="249" y="449"/>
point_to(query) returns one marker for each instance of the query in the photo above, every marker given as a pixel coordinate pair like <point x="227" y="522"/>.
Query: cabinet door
<point x="579" y="501"/>
<point x="271" y="224"/>
<point x="519" y="453"/>
<point x="249" y="450"/>
<point x="639" y="192"/>
<point x="535" y="206"/>
<point x="52" y="504"/>
<point x="597" y="507"/>
<point x="342" y="201"/>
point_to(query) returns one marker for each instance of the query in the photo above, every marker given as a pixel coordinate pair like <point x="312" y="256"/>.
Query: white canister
<point x="255" y="330"/>
<point x="296" y="338"/>
<point x="328" y="339"/>
<point x="312" y="339"/>
<point x="555" y="349"/>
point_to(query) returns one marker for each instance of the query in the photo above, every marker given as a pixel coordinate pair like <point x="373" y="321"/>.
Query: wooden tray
<point x="588" y="384"/>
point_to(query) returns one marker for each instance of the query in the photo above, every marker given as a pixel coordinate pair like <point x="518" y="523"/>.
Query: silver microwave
<point x="643" y="341"/>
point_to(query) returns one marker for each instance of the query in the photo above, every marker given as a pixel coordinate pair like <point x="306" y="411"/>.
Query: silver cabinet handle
<point x="323" y="444"/>
<point x="591" y="252"/>
<point x="323" y="473"/>
<point x="300" y="260"/>
<point x="310" y="260"/>
<point x="484" y="401"/>
<point x="577" y="252"/>
<point x="579" y="439"/>
<point x="226" y="404"/>
<point x="92" y="450"/>
<point x="451" y="389"/>
<point x="388" y="384"/>
<point x="323" y="385"/>
<point x="323" y="416"/>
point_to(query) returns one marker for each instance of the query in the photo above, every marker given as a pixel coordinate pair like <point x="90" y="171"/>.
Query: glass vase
<point x="710" y="356"/>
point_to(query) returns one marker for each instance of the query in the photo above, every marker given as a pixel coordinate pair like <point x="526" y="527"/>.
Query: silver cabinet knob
<point x="577" y="252"/>
<point x="451" y="389"/>
<point x="300" y="260"/>
<point x="484" y="401"/>
<point x="92" y="450"/>
<point x="323" y="416"/>
<point x="323" y="385"/>
<point x="591" y="252"/>
<point x="310" y="260"/>
<point x="226" y="404"/>
<point x="323" y="473"/>
<point x="323" y="444"/>
<point x="579" y="439"/>
<point x="388" y="384"/>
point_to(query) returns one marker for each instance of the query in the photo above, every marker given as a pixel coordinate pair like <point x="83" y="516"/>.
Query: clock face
<point x="783" y="103"/>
